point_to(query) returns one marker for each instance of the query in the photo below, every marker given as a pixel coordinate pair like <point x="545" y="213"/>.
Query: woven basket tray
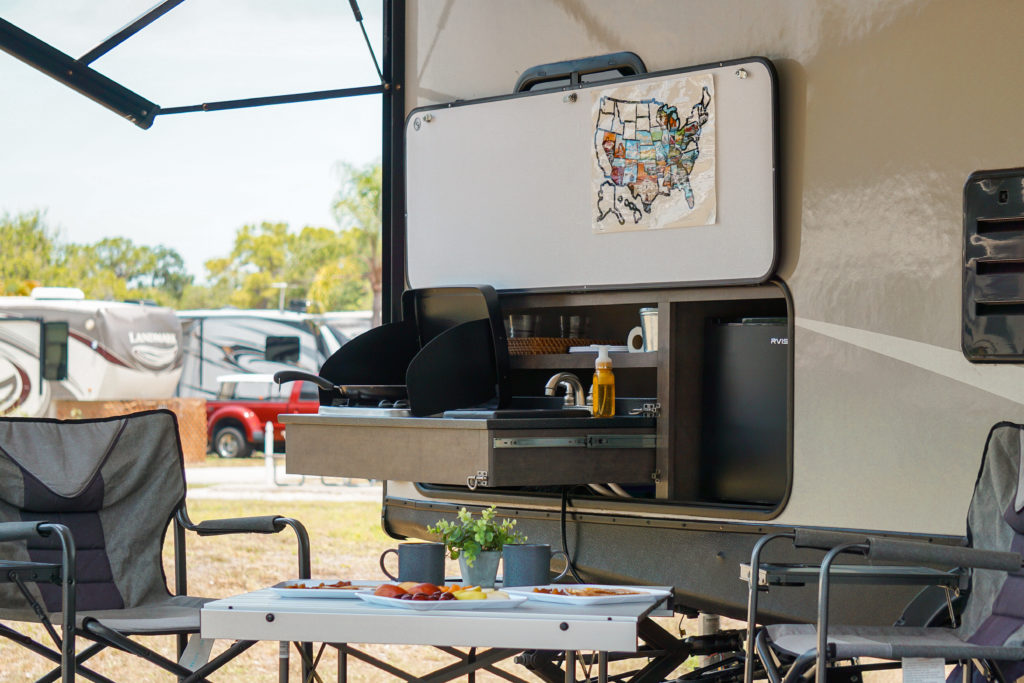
<point x="531" y="346"/>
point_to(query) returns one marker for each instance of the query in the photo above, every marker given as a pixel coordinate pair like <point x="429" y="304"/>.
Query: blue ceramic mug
<point x="420" y="562"/>
<point x="529" y="564"/>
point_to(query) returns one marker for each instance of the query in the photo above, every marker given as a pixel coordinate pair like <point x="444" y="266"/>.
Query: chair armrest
<point x="886" y="549"/>
<point x="21" y="531"/>
<point x="826" y="540"/>
<point x="270" y="524"/>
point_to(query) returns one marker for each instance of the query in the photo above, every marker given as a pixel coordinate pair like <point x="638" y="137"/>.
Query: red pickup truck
<point x="237" y="418"/>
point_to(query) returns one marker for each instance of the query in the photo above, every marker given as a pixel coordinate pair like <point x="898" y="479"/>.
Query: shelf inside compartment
<point x="555" y="361"/>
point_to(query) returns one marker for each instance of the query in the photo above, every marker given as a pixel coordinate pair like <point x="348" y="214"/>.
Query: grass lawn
<point x="346" y="541"/>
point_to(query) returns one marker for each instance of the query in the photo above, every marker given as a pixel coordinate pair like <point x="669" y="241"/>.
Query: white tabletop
<point x="263" y="615"/>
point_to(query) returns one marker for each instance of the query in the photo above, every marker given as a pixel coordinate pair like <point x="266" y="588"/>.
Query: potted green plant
<point x="476" y="542"/>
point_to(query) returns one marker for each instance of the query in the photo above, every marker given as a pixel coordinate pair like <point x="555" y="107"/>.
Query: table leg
<point x="570" y="666"/>
<point x="602" y="667"/>
<point x="342" y="663"/>
<point x="282" y="661"/>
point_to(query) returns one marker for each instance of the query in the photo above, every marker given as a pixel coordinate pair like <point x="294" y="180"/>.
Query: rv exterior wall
<point x="885" y="109"/>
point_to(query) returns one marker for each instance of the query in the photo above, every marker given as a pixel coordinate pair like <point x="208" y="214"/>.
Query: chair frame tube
<point x="68" y="598"/>
<point x="752" y="598"/>
<point x="823" y="591"/>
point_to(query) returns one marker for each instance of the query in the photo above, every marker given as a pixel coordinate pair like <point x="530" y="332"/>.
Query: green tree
<point x="268" y="253"/>
<point x="29" y="251"/>
<point x="117" y="268"/>
<point x="204" y="296"/>
<point x="357" y="209"/>
<point x="113" y="269"/>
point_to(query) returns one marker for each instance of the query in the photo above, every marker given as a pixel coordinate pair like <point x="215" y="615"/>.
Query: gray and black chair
<point x="987" y="641"/>
<point x="84" y="509"/>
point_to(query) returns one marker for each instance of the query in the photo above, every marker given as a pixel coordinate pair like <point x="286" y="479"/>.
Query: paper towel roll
<point x="635" y="340"/>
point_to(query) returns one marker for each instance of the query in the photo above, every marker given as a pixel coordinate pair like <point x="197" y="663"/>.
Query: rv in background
<point x="55" y="344"/>
<point x="347" y="325"/>
<point x="230" y="341"/>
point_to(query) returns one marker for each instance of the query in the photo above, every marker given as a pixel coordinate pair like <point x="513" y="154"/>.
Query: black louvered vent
<point x="993" y="296"/>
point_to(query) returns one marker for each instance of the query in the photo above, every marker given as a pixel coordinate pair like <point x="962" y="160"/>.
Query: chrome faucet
<point x="574" y="392"/>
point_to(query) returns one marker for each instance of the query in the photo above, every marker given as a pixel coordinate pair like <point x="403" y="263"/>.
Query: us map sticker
<point x="654" y="155"/>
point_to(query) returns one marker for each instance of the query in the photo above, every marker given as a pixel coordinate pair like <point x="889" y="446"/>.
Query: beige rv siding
<point x="886" y="107"/>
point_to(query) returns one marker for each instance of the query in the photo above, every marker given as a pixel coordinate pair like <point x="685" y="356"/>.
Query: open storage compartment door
<point x="651" y="180"/>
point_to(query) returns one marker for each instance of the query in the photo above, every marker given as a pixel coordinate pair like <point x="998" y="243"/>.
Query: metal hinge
<point x="478" y="479"/>
<point x="648" y="410"/>
<point x="589" y="441"/>
<point x="656" y="476"/>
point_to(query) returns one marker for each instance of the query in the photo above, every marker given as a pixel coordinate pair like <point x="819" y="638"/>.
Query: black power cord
<point x="565" y="543"/>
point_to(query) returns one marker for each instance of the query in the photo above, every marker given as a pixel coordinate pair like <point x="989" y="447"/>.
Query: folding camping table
<point x="262" y="615"/>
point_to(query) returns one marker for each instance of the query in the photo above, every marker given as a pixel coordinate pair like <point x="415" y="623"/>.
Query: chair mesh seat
<point x="178" y="614"/>
<point x="894" y="642"/>
<point x="115" y="483"/>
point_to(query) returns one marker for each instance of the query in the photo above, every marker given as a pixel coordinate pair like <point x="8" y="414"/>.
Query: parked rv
<point x="55" y="344"/>
<point x="237" y="341"/>
<point x="346" y="325"/>
<point x="798" y="192"/>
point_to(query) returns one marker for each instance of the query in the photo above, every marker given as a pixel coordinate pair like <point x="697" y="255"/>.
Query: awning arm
<point x="359" y="19"/>
<point x="275" y="99"/>
<point x="129" y="30"/>
<point x="77" y="76"/>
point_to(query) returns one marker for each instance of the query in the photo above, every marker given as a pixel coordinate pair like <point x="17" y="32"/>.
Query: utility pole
<point x="281" y="287"/>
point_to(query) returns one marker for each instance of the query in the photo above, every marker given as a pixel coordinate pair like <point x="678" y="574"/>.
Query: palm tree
<point x="357" y="208"/>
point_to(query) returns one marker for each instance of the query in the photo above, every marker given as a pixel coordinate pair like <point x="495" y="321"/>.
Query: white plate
<point x="445" y="605"/>
<point x="641" y="594"/>
<point x="282" y="589"/>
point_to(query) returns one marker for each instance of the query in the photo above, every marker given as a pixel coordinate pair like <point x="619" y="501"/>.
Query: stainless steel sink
<point x="513" y="414"/>
<point x="520" y="407"/>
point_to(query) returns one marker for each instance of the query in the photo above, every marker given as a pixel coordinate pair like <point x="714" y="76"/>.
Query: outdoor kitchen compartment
<point x="451" y="352"/>
<point x="473" y="452"/>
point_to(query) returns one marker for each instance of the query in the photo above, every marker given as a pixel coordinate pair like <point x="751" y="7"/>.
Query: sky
<point x="191" y="180"/>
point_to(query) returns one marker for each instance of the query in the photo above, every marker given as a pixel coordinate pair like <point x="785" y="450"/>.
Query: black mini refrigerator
<point x="743" y="438"/>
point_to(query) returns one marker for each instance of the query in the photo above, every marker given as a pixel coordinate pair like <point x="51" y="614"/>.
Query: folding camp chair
<point x="84" y="508"/>
<point x="988" y="641"/>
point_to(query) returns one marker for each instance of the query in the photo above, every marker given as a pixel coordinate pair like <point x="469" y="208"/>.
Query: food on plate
<point x="589" y="592"/>
<point x="471" y="594"/>
<point x="407" y="586"/>
<point x="428" y="591"/>
<point x="388" y="590"/>
<point x="417" y="591"/>
<point x="338" y="585"/>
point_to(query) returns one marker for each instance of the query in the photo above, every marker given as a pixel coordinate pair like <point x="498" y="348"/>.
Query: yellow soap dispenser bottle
<point x="604" y="385"/>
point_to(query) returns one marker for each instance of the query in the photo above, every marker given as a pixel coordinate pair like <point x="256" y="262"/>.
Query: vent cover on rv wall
<point x="993" y="291"/>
